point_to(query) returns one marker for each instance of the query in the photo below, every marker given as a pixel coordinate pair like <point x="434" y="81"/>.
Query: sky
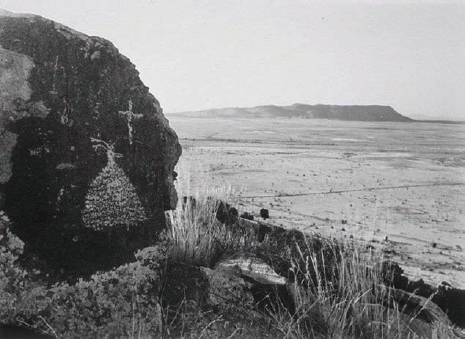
<point x="201" y="54"/>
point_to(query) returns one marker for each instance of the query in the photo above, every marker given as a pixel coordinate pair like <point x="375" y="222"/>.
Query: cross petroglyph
<point x="130" y="115"/>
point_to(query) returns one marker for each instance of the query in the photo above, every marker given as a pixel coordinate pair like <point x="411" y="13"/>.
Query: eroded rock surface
<point x="86" y="156"/>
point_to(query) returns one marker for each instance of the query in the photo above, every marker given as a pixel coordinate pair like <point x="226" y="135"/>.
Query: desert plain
<point x="396" y="188"/>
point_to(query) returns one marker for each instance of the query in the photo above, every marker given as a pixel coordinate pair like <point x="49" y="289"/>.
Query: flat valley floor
<point x="396" y="188"/>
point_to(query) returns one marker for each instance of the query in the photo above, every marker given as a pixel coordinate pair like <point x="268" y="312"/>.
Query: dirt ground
<point x="395" y="187"/>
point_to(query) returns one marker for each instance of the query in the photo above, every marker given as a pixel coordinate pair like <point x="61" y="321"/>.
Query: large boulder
<point x="86" y="156"/>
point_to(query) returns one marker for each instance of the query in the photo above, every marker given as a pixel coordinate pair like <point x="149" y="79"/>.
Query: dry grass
<point x="198" y="238"/>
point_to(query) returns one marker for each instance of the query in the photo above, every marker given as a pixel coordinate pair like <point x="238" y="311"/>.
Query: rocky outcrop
<point x="86" y="156"/>
<point x="331" y="112"/>
<point x="450" y="300"/>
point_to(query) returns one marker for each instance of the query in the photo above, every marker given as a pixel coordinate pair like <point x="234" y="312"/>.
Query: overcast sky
<point x="218" y="53"/>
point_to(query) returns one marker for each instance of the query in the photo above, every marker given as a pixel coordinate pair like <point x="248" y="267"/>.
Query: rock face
<point x="86" y="156"/>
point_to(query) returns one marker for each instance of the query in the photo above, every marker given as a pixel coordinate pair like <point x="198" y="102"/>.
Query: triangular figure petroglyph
<point x="112" y="199"/>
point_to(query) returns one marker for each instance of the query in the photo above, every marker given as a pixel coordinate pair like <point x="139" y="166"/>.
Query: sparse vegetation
<point x="332" y="291"/>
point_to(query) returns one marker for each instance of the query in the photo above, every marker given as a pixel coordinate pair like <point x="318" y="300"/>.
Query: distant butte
<point x="331" y="112"/>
